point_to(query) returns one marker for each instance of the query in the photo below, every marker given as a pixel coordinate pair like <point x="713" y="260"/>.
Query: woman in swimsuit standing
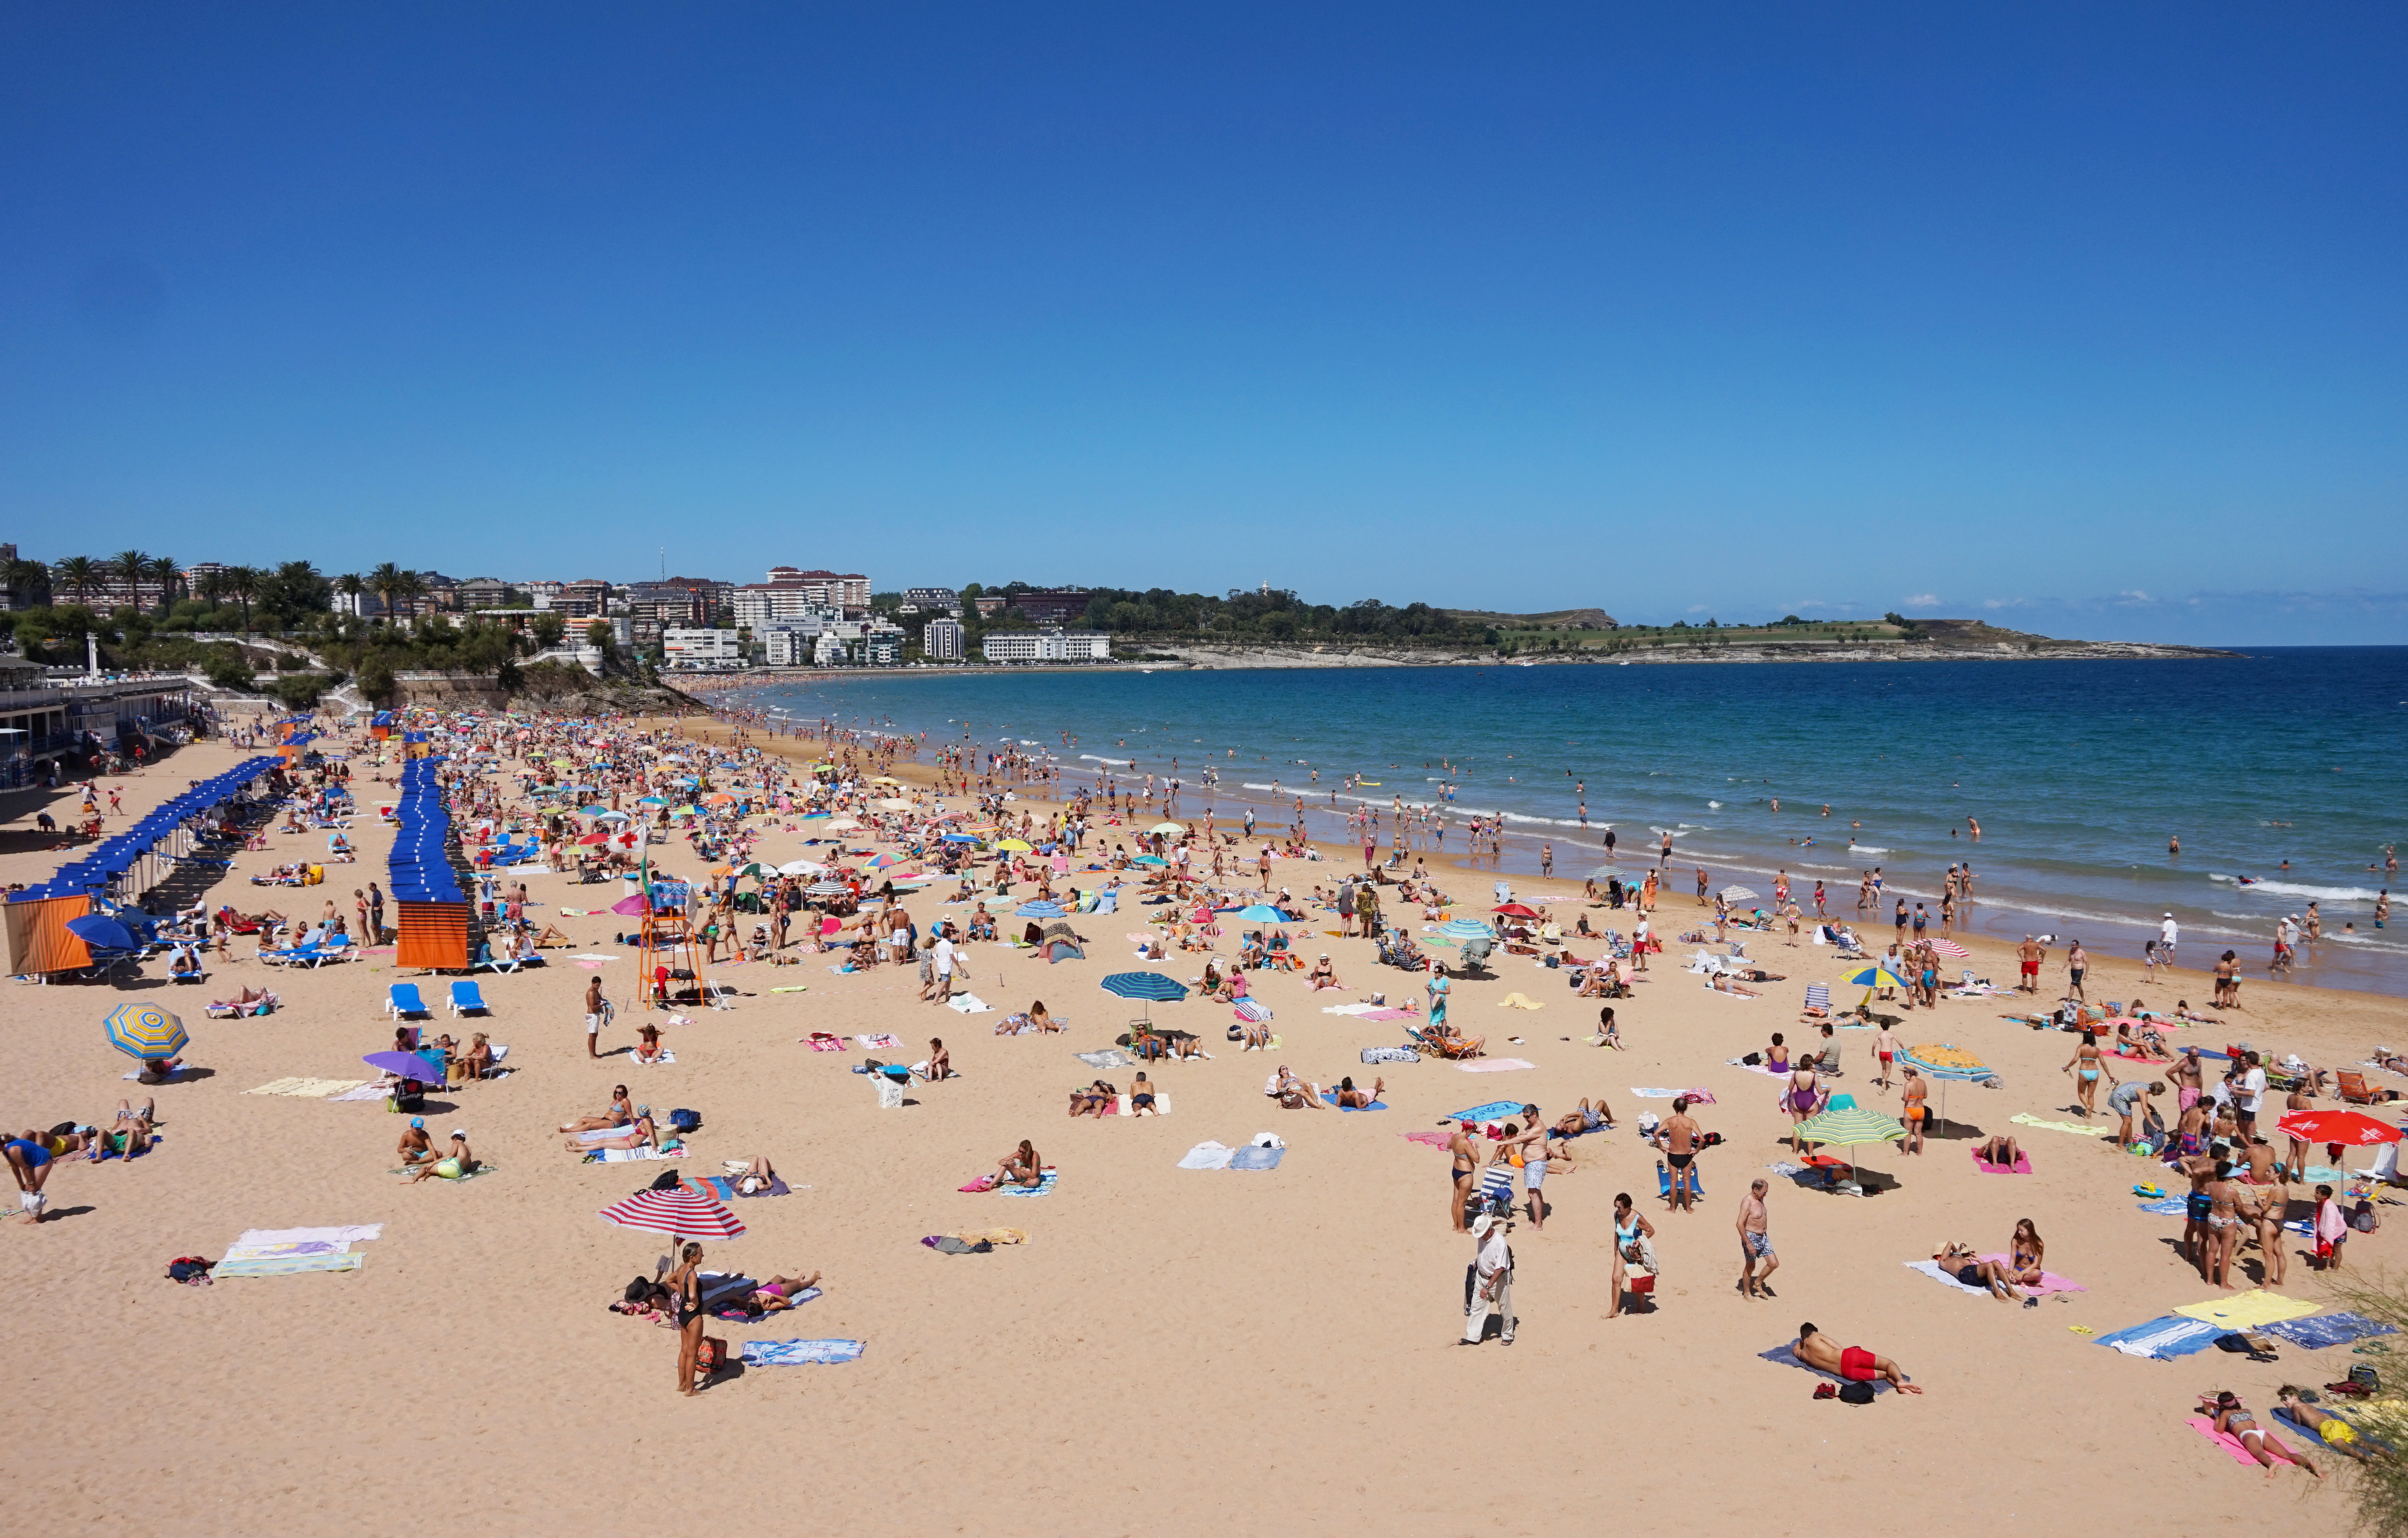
<point x="2092" y="1062"/>
<point x="1633" y="1243"/>
<point x="685" y="1300"/>
<point x="1799" y="1101"/>
<point x="2233" y="1420"/>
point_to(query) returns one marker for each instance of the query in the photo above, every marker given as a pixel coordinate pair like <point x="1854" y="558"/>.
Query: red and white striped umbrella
<point x="680" y="1214"/>
<point x="1947" y="947"/>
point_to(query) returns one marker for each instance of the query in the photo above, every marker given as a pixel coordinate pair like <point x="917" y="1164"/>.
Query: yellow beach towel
<point x="2026" y="1118"/>
<point x="1515" y="1001"/>
<point x="2249" y="1310"/>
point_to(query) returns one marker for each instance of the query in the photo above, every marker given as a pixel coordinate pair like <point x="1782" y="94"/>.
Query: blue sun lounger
<point x="465" y="1000"/>
<point x="402" y="1002"/>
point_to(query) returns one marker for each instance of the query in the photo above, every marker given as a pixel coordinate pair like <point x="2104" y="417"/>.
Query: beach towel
<point x="820" y="1041"/>
<point x="1654" y="1095"/>
<point x="1251" y="1010"/>
<point x="351" y="1233"/>
<point x="1783" y="1355"/>
<point x="1495" y="1065"/>
<point x="2022" y="1163"/>
<point x="2249" y="1310"/>
<point x="1697" y="1182"/>
<point x="1107" y="1057"/>
<point x="2025" y="1118"/>
<point x="1348" y="1008"/>
<point x="2163" y="1339"/>
<point x="1698" y="1097"/>
<point x="2049" y="1281"/>
<point x="792" y="988"/>
<point x="1516" y="1000"/>
<point x="1044" y="1186"/>
<point x="367" y="1091"/>
<point x="882" y="1042"/>
<point x="1757" y="1068"/>
<point x="1330" y="1097"/>
<point x="308" y="1088"/>
<point x="666" y="1056"/>
<point x="969" y="1003"/>
<point x="799" y="1353"/>
<point x="1436" y="1139"/>
<point x="632" y="1155"/>
<point x="2327" y="1329"/>
<point x="1495" y="1110"/>
<point x="261" y="1252"/>
<point x="1120" y="1106"/>
<point x="1208" y="1156"/>
<point x="2166" y="1206"/>
<point x="2230" y="1443"/>
<point x="288" y="1265"/>
<point x="1255" y="1157"/>
<point x="599" y="1134"/>
<point x="1390" y="1054"/>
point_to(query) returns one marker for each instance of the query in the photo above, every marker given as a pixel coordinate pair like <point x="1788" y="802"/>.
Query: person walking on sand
<point x="1490" y="1285"/>
<point x="2077" y="962"/>
<point x="1886" y="1050"/>
<point x="595" y="1005"/>
<point x="2091" y="1062"/>
<point x="1912" y="1093"/>
<point x="1755" y="1244"/>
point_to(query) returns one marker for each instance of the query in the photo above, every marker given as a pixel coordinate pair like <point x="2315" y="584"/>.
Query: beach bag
<point x="2367" y="1378"/>
<point x="189" y="1268"/>
<point x="1754" y="1059"/>
<point x="709" y="1357"/>
<point x="668" y="1180"/>
<point x="638" y="1291"/>
<point x="1857" y="1393"/>
<point x="683" y="1122"/>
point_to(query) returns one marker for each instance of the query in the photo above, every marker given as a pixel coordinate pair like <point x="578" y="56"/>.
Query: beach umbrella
<point x="959" y="838"/>
<point x="1874" y="976"/>
<point x="885" y="779"/>
<point x="596" y="837"/>
<point x="634" y="905"/>
<point x="1466" y="928"/>
<point x="1740" y="894"/>
<point x="1017" y="845"/>
<point x="823" y="889"/>
<point x="1262" y="913"/>
<point x="1515" y="910"/>
<point x="1947" y="947"/>
<point x="144" y="1031"/>
<point x="676" y="1212"/>
<point x="1150" y="859"/>
<point x="894" y="803"/>
<point x="2353" y="1128"/>
<point x="1144" y="985"/>
<point x="652" y="801"/>
<point x="844" y="824"/>
<point x="610" y="816"/>
<point x="1848" y="1126"/>
<point x="99" y="928"/>
<point x="801" y="867"/>
<point x="1038" y="910"/>
<point x="1173" y="829"/>
<point x="410" y="1065"/>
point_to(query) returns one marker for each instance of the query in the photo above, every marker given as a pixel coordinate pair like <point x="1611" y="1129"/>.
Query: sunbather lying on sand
<point x="1352" y="1099"/>
<point x="754" y="1175"/>
<point x="1589" y="1118"/>
<point x="622" y="1112"/>
<point x="1854" y="1364"/>
<point x="640" y="1133"/>
<point x="1997" y="1150"/>
<point x="1721" y="983"/>
<point x="777" y="1292"/>
<point x="2338" y="1434"/>
<point x="1292" y="1092"/>
<point x="1970" y="1270"/>
<point x="1093" y="1100"/>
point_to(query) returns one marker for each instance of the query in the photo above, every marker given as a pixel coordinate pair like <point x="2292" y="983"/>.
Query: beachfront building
<point x="588" y="598"/>
<point x="1048" y="646"/>
<point x="697" y="648"/>
<point x="940" y="640"/>
<point x="932" y="601"/>
<point x="836" y="590"/>
<point x="484" y="593"/>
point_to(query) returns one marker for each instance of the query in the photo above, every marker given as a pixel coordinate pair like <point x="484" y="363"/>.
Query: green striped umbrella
<point x="1848" y="1126"/>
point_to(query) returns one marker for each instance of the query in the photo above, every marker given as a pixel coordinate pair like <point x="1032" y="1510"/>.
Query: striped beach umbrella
<point x="1874" y="976"/>
<point x="678" y="1213"/>
<point x="1946" y="947"/>
<point x="1466" y="928"/>
<point x="1740" y="894"/>
<point x="1848" y="1126"/>
<point x="1144" y="985"/>
<point x="1262" y="913"/>
<point x="144" y="1031"/>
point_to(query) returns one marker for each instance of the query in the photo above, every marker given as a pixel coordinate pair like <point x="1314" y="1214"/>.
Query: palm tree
<point x="243" y="582"/>
<point x="350" y="587"/>
<point x="130" y="567"/>
<point x="213" y="586"/>
<point x="413" y="587"/>
<point x="164" y="572"/>
<point x="26" y="578"/>
<point x="78" y="574"/>
<point x="388" y="582"/>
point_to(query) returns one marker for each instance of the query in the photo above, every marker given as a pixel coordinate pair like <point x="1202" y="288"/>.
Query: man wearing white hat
<point x="1492" y="1283"/>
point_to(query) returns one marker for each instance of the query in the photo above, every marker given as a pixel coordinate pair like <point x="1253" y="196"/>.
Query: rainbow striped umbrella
<point x="678" y="1213"/>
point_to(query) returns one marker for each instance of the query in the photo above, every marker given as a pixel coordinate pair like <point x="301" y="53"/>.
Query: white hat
<point x="1480" y="1225"/>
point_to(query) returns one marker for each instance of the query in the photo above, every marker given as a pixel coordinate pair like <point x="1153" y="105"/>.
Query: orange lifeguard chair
<point x="666" y="952"/>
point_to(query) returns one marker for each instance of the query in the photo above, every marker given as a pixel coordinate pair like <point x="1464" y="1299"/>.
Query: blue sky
<point x="2083" y="319"/>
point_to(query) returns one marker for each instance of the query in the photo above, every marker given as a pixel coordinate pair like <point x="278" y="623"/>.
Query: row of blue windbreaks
<point x="421" y="867"/>
<point x="113" y="857"/>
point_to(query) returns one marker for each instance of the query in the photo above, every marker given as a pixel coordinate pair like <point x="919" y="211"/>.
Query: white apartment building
<point x="840" y="589"/>
<point x="701" y="648"/>
<point x="1048" y="646"/>
<point x="759" y="605"/>
<point x="940" y="640"/>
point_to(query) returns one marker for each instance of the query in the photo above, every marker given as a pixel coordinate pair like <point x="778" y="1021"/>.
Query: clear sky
<point x="2088" y="318"/>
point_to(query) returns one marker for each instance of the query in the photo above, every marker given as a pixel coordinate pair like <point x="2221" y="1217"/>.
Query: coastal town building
<point x="940" y="640"/>
<point x="937" y="600"/>
<point x="839" y="590"/>
<point x="1058" y="608"/>
<point x="1047" y="645"/>
<point x="708" y="648"/>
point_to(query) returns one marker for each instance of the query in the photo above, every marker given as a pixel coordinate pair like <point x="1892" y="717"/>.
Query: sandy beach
<point x="1172" y="1351"/>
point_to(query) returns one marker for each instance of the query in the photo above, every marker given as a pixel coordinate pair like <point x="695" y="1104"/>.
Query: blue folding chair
<point x="465" y="1000"/>
<point x="402" y="1002"/>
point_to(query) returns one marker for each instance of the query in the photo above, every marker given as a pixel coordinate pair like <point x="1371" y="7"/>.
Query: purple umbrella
<point x="408" y="1066"/>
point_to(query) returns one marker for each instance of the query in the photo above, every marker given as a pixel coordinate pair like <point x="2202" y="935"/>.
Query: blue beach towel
<point x="799" y="1353"/>
<point x="2163" y="1338"/>
<point x="1330" y="1097"/>
<point x="2165" y="1206"/>
<point x="1044" y="1187"/>
<point x="1256" y="1159"/>
<point x="1496" y="1110"/>
<point x="2323" y="1330"/>
<point x="1697" y="1185"/>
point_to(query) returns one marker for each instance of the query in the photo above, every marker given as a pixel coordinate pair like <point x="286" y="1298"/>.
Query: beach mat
<point x="799" y="1353"/>
<point x="1495" y="1110"/>
<point x="1495" y="1065"/>
<point x="1783" y="1356"/>
<point x="2164" y="1338"/>
<point x="1044" y="1186"/>
<point x="287" y="1266"/>
<point x="2251" y="1310"/>
<point x="2025" y="1118"/>
<point x="2022" y="1163"/>
<point x="1329" y="1097"/>
<point x="1208" y="1156"/>
<point x="1251" y="1157"/>
<point x="2231" y="1445"/>
<point x="2327" y="1329"/>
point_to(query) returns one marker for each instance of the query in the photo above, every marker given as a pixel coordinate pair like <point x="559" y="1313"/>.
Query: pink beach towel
<point x="2049" y="1280"/>
<point x="2022" y="1163"/>
<point x="1434" y="1139"/>
<point x="2231" y="1445"/>
<point x="1699" y="1097"/>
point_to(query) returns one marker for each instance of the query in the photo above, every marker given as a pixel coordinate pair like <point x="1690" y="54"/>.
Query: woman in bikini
<point x="2233" y="1420"/>
<point x="2090" y="1062"/>
<point x="778" y="1293"/>
<point x="1022" y="1167"/>
<point x="2025" y="1251"/>
<point x="1999" y="1151"/>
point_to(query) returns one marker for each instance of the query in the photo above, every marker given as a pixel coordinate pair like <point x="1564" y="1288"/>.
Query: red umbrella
<point x="1516" y="910"/>
<point x="596" y="837"/>
<point x="2340" y="1127"/>
<point x="678" y="1213"/>
<point x="1947" y="947"/>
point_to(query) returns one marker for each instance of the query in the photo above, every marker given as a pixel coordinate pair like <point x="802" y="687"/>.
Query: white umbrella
<point x="1740" y="894"/>
<point x="801" y="867"/>
<point x="610" y="816"/>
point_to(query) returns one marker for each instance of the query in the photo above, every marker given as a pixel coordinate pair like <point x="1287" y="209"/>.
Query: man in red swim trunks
<point x="1854" y="1364"/>
<point x="2029" y="953"/>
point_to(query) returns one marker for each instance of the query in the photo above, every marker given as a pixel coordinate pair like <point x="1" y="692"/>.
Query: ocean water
<point x="2077" y="771"/>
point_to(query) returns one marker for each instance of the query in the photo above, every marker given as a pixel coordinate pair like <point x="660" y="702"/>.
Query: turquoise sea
<point x="2077" y="771"/>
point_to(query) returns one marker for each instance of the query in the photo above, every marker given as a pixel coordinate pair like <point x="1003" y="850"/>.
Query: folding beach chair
<point x="1818" y="999"/>
<point x="402" y="1002"/>
<point x="2352" y="1087"/>
<point x="465" y="998"/>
